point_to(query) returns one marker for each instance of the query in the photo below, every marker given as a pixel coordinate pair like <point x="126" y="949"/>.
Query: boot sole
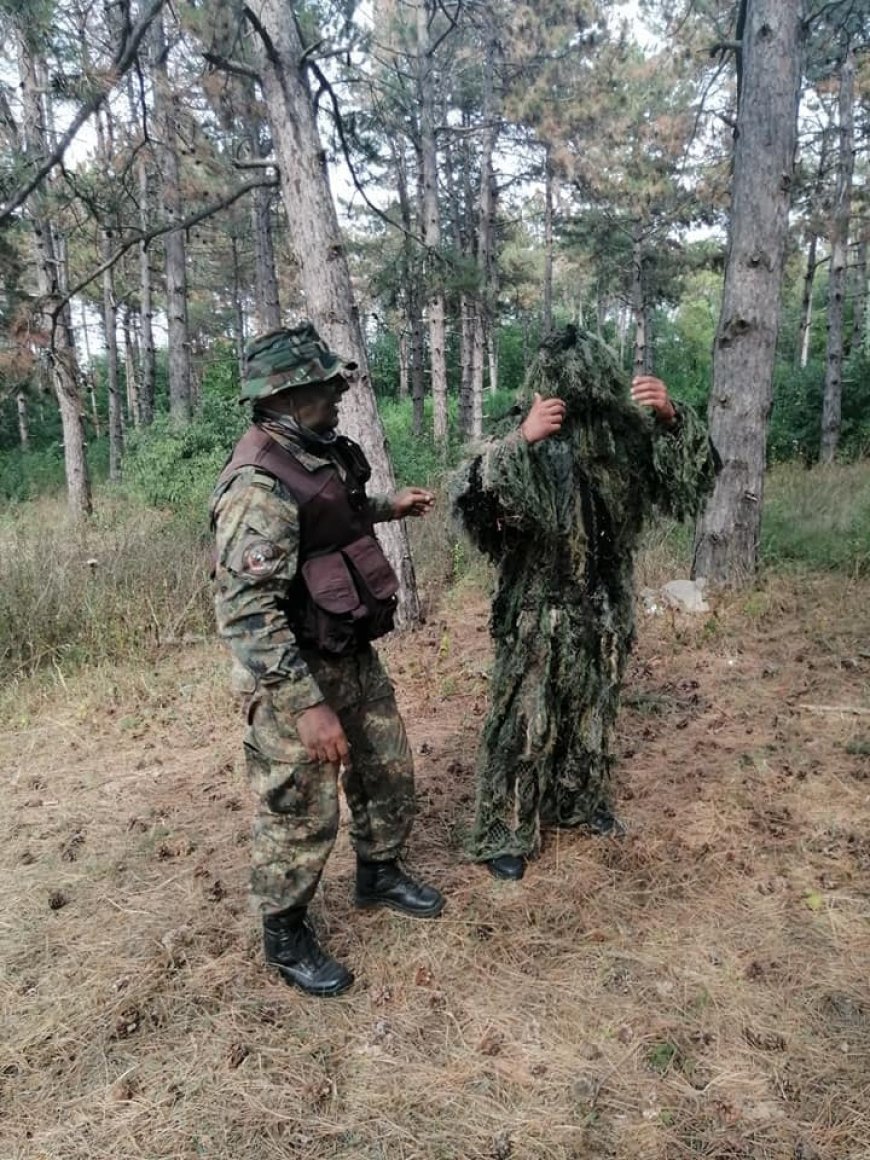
<point x="386" y="904"/>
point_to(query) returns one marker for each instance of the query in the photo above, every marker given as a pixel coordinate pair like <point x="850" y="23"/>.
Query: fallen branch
<point x="855" y="710"/>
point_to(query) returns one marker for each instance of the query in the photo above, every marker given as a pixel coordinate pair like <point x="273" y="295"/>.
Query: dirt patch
<point x="697" y="989"/>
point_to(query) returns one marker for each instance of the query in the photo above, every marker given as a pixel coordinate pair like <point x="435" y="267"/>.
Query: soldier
<point x="302" y="588"/>
<point x="559" y="505"/>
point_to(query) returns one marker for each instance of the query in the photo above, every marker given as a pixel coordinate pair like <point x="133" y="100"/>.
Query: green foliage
<point x="25" y="475"/>
<point x="818" y="519"/>
<point x="795" y="422"/>
<point x="176" y="467"/>
<point x="417" y="459"/>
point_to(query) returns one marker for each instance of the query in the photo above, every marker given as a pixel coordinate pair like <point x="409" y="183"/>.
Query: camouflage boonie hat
<point x="286" y="358"/>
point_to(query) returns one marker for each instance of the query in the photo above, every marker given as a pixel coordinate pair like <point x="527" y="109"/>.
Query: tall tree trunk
<point x="55" y="319"/>
<point x="727" y="534"/>
<point x="492" y="358"/>
<point x="467" y="330"/>
<point x="319" y="251"/>
<point x="802" y="349"/>
<point x="166" y="111"/>
<point x="833" y="396"/>
<point x="547" y="318"/>
<point x="487" y="197"/>
<point x="148" y="380"/>
<point x="238" y="311"/>
<point x="411" y="291"/>
<point x="110" y="327"/>
<point x="130" y="364"/>
<point x="110" y="316"/>
<point x="638" y="301"/>
<point x="860" y="333"/>
<point x="268" y="304"/>
<point x="432" y="223"/>
<point x="23" y="422"/>
<point x="403" y="351"/>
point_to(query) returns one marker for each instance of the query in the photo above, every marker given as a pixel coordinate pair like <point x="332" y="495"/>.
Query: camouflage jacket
<point x="256" y="525"/>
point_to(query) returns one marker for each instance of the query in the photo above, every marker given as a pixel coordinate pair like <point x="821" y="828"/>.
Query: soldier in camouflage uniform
<point x="558" y="505"/>
<point x="302" y="588"/>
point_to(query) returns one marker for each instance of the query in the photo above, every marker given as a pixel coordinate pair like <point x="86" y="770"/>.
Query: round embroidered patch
<point x="261" y="558"/>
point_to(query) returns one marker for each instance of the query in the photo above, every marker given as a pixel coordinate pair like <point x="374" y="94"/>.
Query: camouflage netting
<point x="561" y="520"/>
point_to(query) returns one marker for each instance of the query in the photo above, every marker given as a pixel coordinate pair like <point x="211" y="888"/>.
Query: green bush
<point x="176" y="467"/>
<point x="26" y="475"/>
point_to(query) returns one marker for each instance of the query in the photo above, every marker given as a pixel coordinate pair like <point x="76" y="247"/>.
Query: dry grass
<point x="698" y="989"/>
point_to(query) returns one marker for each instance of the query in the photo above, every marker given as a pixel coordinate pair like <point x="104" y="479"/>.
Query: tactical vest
<point x="343" y="594"/>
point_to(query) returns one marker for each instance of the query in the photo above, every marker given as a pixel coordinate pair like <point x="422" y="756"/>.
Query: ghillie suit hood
<point x="562" y="521"/>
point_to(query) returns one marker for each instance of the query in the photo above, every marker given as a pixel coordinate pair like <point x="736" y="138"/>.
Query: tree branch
<point x="327" y="88"/>
<point x="120" y="63"/>
<point x="158" y="231"/>
<point x="231" y="66"/>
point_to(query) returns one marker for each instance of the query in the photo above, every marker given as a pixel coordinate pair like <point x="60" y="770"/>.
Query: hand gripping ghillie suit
<point x="561" y="520"/>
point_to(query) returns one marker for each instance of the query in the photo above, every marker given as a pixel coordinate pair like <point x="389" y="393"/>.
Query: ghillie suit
<point x="561" y="519"/>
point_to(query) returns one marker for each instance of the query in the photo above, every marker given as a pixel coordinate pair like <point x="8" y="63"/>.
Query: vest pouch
<point x="376" y="583"/>
<point x="334" y="609"/>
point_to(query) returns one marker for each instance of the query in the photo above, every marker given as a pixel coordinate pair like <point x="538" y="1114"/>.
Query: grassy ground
<point x="698" y="989"/>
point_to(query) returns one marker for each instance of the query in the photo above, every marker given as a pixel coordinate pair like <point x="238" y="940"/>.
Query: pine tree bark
<point x="802" y="348"/>
<point x="547" y="314"/>
<point x="23" y="420"/>
<point x="268" y="304"/>
<point x="320" y="254"/>
<point x="110" y="316"/>
<point x="432" y="224"/>
<point x="54" y="315"/>
<point x="131" y="362"/>
<point x="166" y="108"/>
<point x="148" y="379"/>
<point x="727" y="535"/>
<point x="860" y="333"/>
<point x="638" y="303"/>
<point x="833" y="394"/>
<point x="487" y="198"/>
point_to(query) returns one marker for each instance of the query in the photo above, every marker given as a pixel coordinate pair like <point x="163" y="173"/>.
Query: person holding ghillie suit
<point x="559" y="505"/>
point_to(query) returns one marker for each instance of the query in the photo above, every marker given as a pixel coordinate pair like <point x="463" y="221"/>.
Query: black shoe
<point x="291" y="945"/>
<point x="510" y="867"/>
<point x="385" y="884"/>
<point x="605" y="824"/>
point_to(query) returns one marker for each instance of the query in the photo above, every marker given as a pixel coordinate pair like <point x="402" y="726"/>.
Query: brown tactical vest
<point x="343" y="594"/>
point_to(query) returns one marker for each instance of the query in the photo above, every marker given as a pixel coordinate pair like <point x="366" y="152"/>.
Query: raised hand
<point x="545" y="418"/>
<point x="649" y="391"/>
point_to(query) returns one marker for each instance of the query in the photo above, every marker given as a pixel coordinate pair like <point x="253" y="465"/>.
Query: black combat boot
<point x="291" y="945"/>
<point x="510" y="867"/>
<point x="385" y="884"/>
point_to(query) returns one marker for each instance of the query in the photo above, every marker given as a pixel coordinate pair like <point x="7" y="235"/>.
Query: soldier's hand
<point x="412" y="501"/>
<point x="652" y="392"/>
<point x="545" y="418"/>
<point x="321" y="733"/>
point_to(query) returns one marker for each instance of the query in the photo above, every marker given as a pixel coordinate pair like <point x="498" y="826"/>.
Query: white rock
<point x="686" y="595"/>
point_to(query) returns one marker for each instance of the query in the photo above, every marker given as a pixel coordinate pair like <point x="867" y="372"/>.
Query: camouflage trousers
<point x="297" y="799"/>
<point x="545" y="752"/>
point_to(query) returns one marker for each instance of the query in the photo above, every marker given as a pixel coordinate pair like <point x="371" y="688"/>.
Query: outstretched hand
<point x="545" y="418"/>
<point x="649" y="391"/>
<point x="412" y="501"/>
